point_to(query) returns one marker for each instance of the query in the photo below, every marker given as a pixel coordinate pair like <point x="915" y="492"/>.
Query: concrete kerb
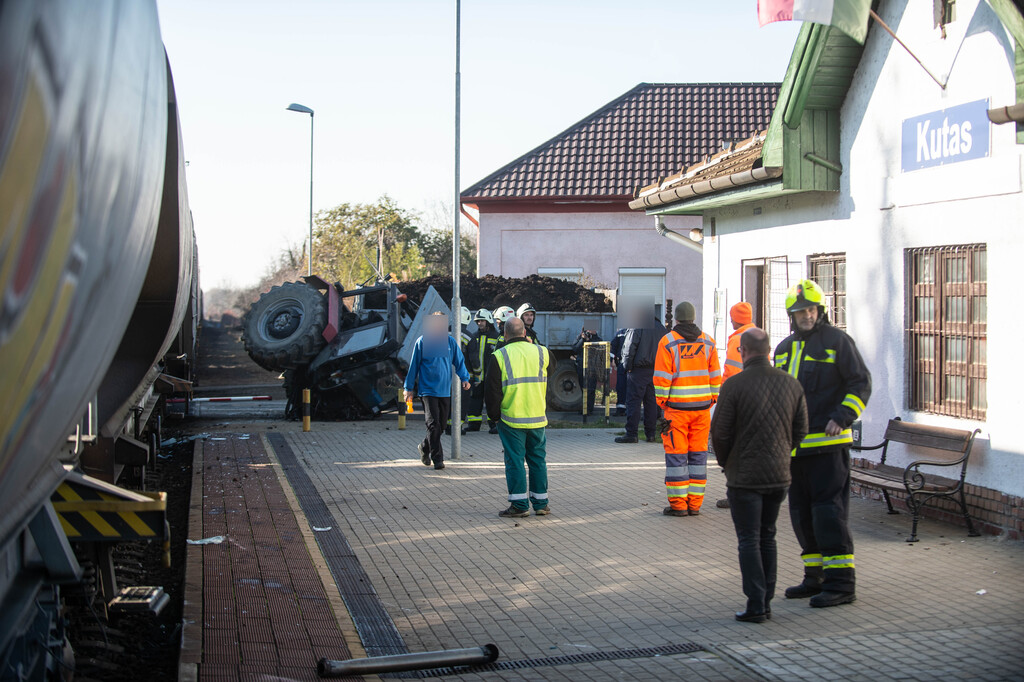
<point x="191" y="653"/>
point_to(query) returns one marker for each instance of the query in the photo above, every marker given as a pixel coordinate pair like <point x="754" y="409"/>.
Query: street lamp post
<point x="306" y="110"/>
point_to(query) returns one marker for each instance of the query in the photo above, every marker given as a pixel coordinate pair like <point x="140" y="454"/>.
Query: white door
<point x="646" y="282"/>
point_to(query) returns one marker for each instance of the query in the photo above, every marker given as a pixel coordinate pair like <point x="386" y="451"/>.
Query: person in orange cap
<point x="740" y="315"/>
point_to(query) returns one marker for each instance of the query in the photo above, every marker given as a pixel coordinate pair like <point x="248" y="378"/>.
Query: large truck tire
<point x="284" y="328"/>
<point x="564" y="391"/>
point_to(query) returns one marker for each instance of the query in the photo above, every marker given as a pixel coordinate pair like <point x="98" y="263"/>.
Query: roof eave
<point x="684" y="193"/>
<point x="768" y="189"/>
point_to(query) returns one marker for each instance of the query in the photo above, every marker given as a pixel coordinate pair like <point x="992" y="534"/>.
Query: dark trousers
<point x="436" y="411"/>
<point x="641" y="395"/>
<point x="591" y="388"/>
<point x="754" y="513"/>
<point x="621" y="385"/>
<point x="819" y="507"/>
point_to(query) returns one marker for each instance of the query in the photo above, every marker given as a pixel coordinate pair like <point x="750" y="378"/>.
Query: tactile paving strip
<point x="376" y="630"/>
<point x="568" y="659"/>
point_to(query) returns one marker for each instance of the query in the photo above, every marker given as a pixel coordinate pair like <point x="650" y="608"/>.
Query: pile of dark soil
<point x="490" y="291"/>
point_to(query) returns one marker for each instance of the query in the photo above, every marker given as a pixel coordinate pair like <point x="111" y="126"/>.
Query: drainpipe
<point x="1011" y="114"/>
<point x="659" y="225"/>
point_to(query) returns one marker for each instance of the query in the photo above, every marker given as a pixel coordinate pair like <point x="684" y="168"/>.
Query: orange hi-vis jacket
<point x="687" y="375"/>
<point x="733" y="361"/>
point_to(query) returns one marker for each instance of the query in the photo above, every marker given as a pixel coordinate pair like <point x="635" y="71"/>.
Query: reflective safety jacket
<point x="517" y="384"/>
<point x="733" y="361"/>
<point x="479" y="351"/>
<point x="837" y="383"/>
<point x="687" y="375"/>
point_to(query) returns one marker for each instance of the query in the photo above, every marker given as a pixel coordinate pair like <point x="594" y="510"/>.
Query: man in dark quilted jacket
<point x="761" y="417"/>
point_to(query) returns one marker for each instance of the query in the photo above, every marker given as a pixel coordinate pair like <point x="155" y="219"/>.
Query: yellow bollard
<point x="402" y="406"/>
<point x="305" y="409"/>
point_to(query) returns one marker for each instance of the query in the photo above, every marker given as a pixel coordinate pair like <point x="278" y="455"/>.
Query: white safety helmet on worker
<point x="503" y="314"/>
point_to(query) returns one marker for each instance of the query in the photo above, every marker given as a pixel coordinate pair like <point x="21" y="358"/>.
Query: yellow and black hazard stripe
<point x="93" y="511"/>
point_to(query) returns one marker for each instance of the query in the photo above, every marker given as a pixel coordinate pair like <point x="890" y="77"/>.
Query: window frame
<point x="943" y="319"/>
<point x="834" y="259"/>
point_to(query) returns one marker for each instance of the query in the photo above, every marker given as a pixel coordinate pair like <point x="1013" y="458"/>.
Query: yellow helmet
<point x="804" y="294"/>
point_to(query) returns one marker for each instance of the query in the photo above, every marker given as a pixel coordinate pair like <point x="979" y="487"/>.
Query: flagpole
<point x="895" y="37"/>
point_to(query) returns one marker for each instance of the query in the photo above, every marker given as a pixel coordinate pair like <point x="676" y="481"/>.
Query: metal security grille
<point x="828" y="271"/>
<point x="947" y="322"/>
<point x="569" y="659"/>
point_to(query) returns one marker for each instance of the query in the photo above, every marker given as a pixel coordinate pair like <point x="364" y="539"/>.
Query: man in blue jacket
<point x="433" y="356"/>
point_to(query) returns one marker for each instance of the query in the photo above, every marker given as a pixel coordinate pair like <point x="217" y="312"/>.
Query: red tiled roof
<point x="648" y="133"/>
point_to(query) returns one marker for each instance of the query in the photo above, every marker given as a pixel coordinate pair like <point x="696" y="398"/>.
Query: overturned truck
<point x="349" y="348"/>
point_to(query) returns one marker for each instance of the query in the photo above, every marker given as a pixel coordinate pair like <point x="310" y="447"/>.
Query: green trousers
<point x="525" y="448"/>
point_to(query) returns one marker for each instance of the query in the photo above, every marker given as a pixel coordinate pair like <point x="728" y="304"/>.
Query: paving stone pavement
<point x="607" y="571"/>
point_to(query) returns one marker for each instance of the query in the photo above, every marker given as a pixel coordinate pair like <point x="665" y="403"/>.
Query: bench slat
<point x="950" y="440"/>
<point x="880" y="480"/>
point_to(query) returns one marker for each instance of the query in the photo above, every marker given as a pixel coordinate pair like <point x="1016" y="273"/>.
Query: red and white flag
<point x="849" y="16"/>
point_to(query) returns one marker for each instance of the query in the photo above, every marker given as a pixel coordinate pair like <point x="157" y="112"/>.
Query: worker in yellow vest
<point x="516" y="397"/>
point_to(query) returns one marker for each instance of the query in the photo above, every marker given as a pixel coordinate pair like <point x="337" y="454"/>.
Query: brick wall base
<point x="992" y="512"/>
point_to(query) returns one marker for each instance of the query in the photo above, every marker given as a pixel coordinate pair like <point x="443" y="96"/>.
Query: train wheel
<point x="284" y="328"/>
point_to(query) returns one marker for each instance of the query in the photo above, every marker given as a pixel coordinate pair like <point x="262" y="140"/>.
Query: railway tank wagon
<point x="97" y="283"/>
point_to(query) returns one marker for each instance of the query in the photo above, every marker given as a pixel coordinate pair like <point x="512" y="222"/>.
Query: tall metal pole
<point x="456" y="293"/>
<point x="310" y="267"/>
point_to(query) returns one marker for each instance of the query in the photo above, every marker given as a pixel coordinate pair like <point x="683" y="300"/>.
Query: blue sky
<point x="380" y="77"/>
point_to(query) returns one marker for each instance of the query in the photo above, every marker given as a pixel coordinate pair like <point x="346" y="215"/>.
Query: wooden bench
<point x="952" y="448"/>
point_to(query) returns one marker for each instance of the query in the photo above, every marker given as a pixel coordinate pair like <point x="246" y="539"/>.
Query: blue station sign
<point x="948" y="136"/>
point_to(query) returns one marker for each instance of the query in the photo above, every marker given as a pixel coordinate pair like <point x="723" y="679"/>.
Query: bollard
<point x="305" y="409"/>
<point x="487" y="653"/>
<point x="401" y="415"/>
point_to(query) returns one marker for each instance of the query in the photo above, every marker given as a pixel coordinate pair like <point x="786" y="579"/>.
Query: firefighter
<point x="466" y="321"/>
<point x="686" y="382"/>
<point x="837" y="385"/>
<point x="528" y="314"/>
<point x="501" y="315"/>
<point x="465" y="336"/>
<point x="477" y="354"/>
<point x="740" y="315"/>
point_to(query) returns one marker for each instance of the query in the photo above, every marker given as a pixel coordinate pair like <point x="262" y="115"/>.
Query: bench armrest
<point x="914" y="479"/>
<point x="872" y="447"/>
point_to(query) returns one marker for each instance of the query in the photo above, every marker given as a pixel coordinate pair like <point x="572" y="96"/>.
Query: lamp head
<point x="299" y="108"/>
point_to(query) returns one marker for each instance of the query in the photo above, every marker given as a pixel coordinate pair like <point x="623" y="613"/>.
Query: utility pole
<point x="456" y="268"/>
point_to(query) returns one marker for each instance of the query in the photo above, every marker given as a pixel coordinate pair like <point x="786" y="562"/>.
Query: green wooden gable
<point x="803" y="137"/>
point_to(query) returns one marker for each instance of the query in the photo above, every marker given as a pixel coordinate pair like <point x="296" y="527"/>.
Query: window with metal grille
<point x="947" y="318"/>
<point x="828" y="271"/>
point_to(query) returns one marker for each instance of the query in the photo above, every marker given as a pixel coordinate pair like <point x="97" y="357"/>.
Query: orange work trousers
<point x="686" y="457"/>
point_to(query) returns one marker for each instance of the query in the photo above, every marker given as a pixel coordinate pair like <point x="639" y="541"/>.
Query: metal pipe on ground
<point x="481" y="655"/>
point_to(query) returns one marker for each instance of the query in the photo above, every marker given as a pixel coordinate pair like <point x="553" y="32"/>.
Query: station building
<point x="896" y="193"/>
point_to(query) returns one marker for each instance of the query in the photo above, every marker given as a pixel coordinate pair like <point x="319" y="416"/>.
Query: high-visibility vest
<point x="524" y="384"/>
<point x="686" y="373"/>
<point x="733" y="361"/>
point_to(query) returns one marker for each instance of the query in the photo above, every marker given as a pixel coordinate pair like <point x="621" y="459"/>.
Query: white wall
<point x="516" y="244"/>
<point x="881" y="211"/>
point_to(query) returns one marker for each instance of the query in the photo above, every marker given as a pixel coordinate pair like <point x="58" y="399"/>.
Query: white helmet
<point x="485" y="315"/>
<point x="503" y="314"/>
<point x="525" y="308"/>
<point x="465" y="317"/>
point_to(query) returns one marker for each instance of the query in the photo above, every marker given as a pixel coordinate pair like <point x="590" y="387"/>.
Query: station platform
<point x="340" y="543"/>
